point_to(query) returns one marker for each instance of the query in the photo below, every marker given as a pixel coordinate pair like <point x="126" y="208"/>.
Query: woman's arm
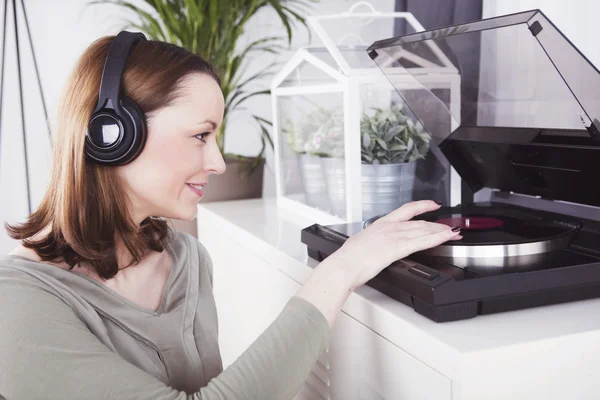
<point x="47" y="352"/>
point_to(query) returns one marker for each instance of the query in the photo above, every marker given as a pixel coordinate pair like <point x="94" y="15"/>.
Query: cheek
<point x="161" y="170"/>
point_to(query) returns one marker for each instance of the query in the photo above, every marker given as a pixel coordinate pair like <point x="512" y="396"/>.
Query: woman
<point x="101" y="300"/>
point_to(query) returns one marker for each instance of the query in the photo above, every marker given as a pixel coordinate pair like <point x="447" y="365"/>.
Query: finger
<point x="413" y="234"/>
<point x="432" y="240"/>
<point x="426" y="229"/>
<point x="421" y="231"/>
<point x="412" y="209"/>
<point x="408" y="225"/>
<point x="443" y="228"/>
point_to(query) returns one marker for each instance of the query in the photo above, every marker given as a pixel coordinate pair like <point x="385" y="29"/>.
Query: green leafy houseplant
<point x="391" y="137"/>
<point x="212" y="29"/>
<point x="320" y="133"/>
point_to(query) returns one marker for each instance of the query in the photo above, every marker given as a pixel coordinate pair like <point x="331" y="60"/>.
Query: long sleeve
<point x="47" y="352"/>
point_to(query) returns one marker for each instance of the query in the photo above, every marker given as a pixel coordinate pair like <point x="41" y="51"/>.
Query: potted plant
<point x="391" y="144"/>
<point x="327" y="143"/>
<point x="316" y="138"/>
<point x="213" y="30"/>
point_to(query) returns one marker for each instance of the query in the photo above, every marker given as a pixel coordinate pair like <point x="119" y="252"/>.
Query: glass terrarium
<point x="347" y="147"/>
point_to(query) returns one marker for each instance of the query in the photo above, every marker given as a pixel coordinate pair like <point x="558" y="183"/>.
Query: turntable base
<point x="478" y="275"/>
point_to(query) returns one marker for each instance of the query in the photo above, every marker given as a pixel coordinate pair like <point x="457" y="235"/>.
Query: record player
<point x="525" y="142"/>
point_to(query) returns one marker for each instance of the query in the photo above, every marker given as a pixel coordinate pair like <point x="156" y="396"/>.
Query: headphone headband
<point x="114" y="66"/>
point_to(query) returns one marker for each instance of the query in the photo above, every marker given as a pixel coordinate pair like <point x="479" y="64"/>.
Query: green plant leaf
<point x="261" y="74"/>
<point x="392" y="132"/>
<point x="386" y="115"/>
<point x="398" y="147"/>
<point x="373" y="142"/>
<point x="255" y="45"/>
<point x="374" y="126"/>
<point x="283" y="17"/>
<point x="382" y="143"/>
<point x="419" y="127"/>
<point x="410" y="145"/>
<point x="405" y="139"/>
<point x="249" y="95"/>
<point x="366" y="140"/>
<point x="398" y="158"/>
<point x="265" y="133"/>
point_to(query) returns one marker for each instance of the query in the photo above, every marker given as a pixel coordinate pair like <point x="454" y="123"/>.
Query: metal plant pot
<point x="334" y="169"/>
<point x="313" y="181"/>
<point x="386" y="187"/>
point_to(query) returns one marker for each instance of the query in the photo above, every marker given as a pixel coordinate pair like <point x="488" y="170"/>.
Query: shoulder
<point x="14" y="276"/>
<point x="26" y="301"/>
<point x="29" y="289"/>
<point x="23" y="285"/>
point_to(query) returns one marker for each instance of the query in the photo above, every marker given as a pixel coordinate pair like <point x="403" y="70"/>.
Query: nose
<point x="214" y="162"/>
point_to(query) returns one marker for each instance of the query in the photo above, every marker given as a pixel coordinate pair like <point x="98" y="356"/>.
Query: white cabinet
<point x="249" y="293"/>
<point x="365" y="366"/>
<point x="359" y="364"/>
<point x="381" y="349"/>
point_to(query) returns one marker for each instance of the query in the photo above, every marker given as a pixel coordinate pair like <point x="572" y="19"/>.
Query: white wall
<point x="61" y="30"/>
<point x="577" y="19"/>
<point x="527" y="91"/>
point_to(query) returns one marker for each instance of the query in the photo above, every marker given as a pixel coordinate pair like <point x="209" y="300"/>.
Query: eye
<point x="202" y="136"/>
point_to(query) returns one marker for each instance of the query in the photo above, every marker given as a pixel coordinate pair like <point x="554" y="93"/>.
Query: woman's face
<point x="181" y="152"/>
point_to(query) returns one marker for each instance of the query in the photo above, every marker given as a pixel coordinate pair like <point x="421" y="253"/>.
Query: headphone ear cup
<point x="127" y="124"/>
<point x="135" y="128"/>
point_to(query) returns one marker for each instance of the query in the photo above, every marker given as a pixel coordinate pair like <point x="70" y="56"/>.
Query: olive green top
<point x="66" y="336"/>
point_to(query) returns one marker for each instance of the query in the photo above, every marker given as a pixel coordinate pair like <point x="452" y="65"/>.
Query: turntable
<point x="525" y="143"/>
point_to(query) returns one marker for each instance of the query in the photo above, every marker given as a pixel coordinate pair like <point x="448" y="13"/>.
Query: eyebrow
<point x="208" y="121"/>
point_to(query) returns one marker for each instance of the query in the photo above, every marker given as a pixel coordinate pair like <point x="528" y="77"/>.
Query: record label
<point x="471" y="222"/>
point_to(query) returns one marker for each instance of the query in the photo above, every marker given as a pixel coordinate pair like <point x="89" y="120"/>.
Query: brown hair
<point x="84" y="208"/>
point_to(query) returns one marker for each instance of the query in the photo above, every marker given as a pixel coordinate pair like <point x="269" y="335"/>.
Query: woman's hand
<point x="367" y="253"/>
<point x="388" y="239"/>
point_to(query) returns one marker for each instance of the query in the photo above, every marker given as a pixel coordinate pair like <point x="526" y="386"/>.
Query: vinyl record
<point x="478" y="229"/>
<point x="499" y="231"/>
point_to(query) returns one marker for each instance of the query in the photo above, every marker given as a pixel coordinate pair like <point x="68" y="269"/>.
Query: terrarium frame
<point x="347" y="82"/>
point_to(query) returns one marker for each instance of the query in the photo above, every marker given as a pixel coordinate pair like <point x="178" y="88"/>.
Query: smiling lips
<point x="196" y="187"/>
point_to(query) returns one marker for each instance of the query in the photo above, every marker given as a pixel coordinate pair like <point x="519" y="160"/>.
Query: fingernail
<point x="439" y="203"/>
<point x="455" y="228"/>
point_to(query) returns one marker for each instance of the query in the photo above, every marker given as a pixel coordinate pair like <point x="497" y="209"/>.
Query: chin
<point x="186" y="214"/>
<point x="180" y="209"/>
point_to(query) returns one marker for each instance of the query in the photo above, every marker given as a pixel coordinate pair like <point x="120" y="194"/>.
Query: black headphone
<point x="116" y="132"/>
